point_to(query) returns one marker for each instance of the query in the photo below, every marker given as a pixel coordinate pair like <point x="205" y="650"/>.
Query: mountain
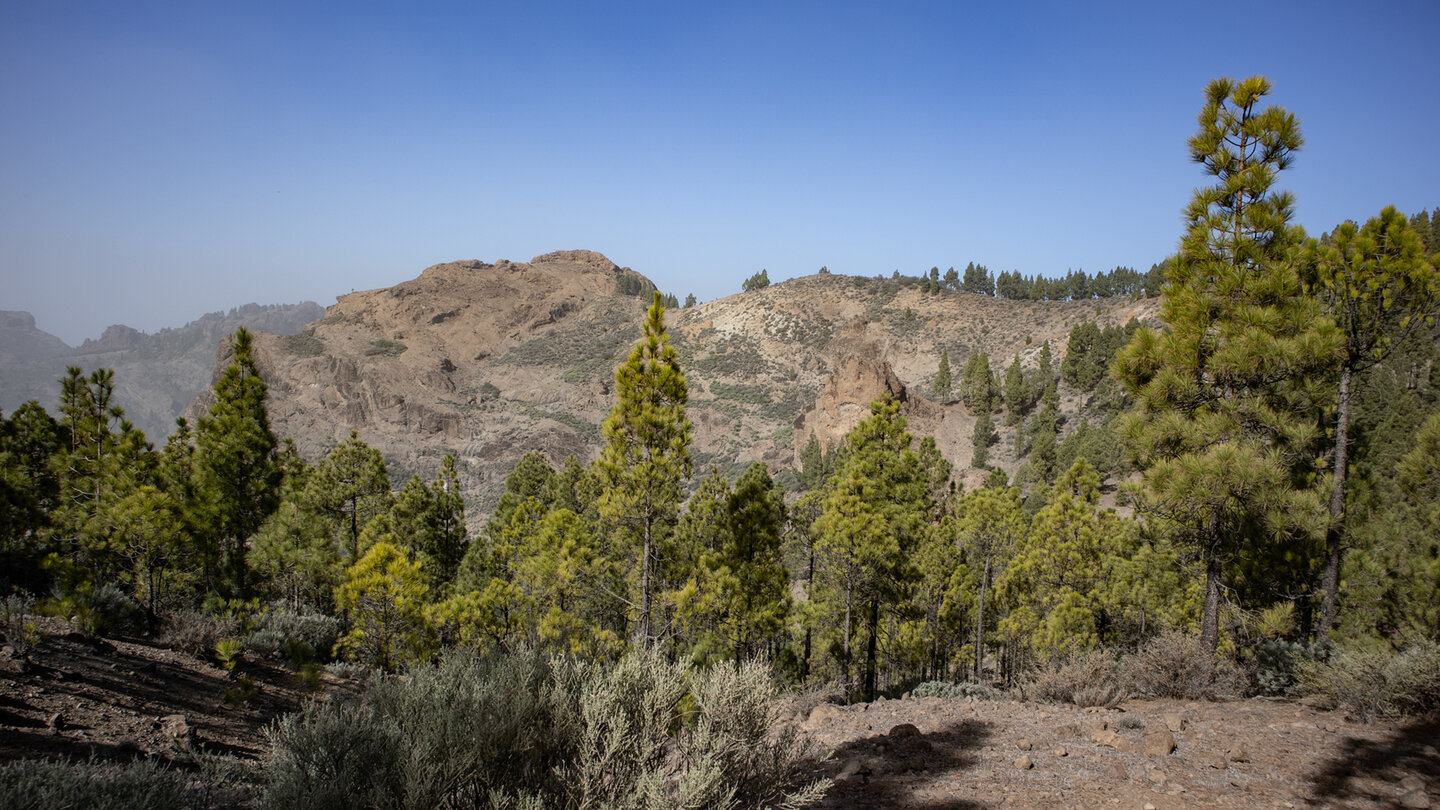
<point x="22" y="343"/>
<point x="489" y="361"/>
<point x="156" y="376"/>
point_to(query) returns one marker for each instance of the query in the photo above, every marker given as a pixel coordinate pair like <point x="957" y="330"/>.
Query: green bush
<point x="41" y="784"/>
<point x="1276" y="666"/>
<point x="1376" y="683"/>
<point x="385" y="348"/>
<point x="522" y="730"/>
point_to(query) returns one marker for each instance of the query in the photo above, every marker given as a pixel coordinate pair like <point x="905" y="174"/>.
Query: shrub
<point x="101" y="611"/>
<point x="280" y="626"/>
<point x="1092" y="679"/>
<point x="1276" y="666"/>
<point x="38" y="784"/>
<point x="1377" y="683"/>
<point x="521" y="730"/>
<point x="335" y="755"/>
<point x="265" y="642"/>
<point x="382" y="347"/>
<point x="1172" y="666"/>
<point x="193" y="631"/>
<point x="16" y="623"/>
<point x="304" y="344"/>
<point x="952" y="691"/>
<point x="228" y="652"/>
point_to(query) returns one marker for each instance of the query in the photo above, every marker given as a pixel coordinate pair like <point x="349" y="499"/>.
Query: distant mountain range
<point x="157" y="376"/>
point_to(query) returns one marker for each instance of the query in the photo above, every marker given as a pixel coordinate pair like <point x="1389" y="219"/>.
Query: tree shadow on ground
<point x="900" y="768"/>
<point x="1409" y="749"/>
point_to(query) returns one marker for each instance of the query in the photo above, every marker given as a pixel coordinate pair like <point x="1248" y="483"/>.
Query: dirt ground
<point x="1160" y="754"/>
<point x="78" y="697"/>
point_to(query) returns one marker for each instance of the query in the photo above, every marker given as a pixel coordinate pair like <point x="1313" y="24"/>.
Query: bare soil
<point x="77" y="697"/>
<point x="960" y="754"/>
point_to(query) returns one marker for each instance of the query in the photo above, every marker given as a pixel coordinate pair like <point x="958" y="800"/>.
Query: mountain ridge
<point x="489" y="361"/>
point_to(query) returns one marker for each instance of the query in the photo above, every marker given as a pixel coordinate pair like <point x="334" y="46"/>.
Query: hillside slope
<point x="489" y="361"/>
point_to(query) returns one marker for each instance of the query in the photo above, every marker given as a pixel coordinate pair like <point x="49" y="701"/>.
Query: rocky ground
<point x="79" y="697"/>
<point x="953" y="754"/>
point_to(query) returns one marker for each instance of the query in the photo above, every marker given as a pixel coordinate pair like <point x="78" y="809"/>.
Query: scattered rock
<point x="1159" y="743"/>
<point x="56" y="721"/>
<point x="175" y="727"/>
<point x="1060" y="751"/>
<point x="1024" y="763"/>
<point x="904" y="730"/>
<point x="1237" y="753"/>
<point x="822" y="713"/>
<point x="1102" y="737"/>
<point x="1024" y="744"/>
<point x="1174" y="721"/>
<point x="1217" y="762"/>
<point x="1117" y="772"/>
<point x="1156" y="777"/>
<point x="1416" y="799"/>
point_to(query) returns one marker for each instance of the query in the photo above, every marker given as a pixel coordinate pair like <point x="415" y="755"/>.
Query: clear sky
<point x="162" y="160"/>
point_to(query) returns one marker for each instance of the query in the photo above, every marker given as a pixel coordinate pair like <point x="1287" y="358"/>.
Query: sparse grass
<point x="304" y="344"/>
<point x="381" y="347"/>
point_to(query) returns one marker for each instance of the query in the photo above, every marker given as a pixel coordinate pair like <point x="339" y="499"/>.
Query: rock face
<point x="489" y="361"/>
<point x="22" y="342"/>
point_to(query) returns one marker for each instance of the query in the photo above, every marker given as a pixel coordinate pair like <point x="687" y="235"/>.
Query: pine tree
<point x="1014" y="388"/>
<point x="690" y="300"/>
<point x="429" y="520"/>
<point x="814" y="471"/>
<point x="237" y="478"/>
<point x="942" y="376"/>
<point x="975" y="384"/>
<point x="1213" y="433"/>
<point x="646" y="457"/>
<point x="1380" y="289"/>
<point x="875" y="516"/>
<point x="987" y="525"/>
<point x="350" y="487"/>
<point x="983" y="435"/>
<point x="1057" y="580"/>
<point x="754" y="587"/>
<point x="385" y="594"/>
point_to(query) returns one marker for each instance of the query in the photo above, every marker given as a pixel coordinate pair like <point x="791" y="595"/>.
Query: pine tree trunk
<point x="980" y="624"/>
<point x="1210" y="621"/>
<point x="870" y="646"/>
<point x="645" y="578"/>
<point x="1330" y="578"/>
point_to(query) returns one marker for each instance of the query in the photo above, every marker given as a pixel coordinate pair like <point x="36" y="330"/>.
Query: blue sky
<point x="162" y="160"/>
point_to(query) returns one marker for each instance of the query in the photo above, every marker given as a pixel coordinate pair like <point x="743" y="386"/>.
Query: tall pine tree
<point x="646" y="457"/>
<point x="236" y="474"/>
<point x="1215" y="431"/>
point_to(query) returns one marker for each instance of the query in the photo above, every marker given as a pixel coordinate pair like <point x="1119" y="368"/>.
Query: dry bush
<point x="1375" y="683"/>
<point x="193" y="631"/>
<point x="519" y="730"/>
<point x="1092" y="679"/>
<point x="1171" y="666"/>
